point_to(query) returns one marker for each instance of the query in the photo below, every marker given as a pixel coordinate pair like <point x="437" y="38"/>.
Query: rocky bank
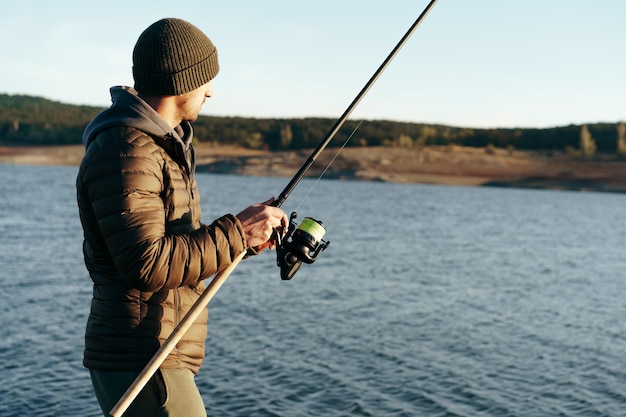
<point x="448" y="165"/>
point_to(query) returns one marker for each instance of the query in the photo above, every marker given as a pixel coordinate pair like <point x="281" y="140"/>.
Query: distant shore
<point x="445" y="165"/>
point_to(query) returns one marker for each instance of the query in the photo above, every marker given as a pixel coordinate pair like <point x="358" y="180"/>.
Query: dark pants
<point x="169" y="393"/>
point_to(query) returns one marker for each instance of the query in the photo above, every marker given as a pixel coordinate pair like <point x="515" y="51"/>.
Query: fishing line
<point x="328" y="165"/>
<point x="311" y="159"/>
<point x="368" y="110"/>
<point x="371" y="105"/>
<point x="304" y="243"/>
<point x="345" y="143"/>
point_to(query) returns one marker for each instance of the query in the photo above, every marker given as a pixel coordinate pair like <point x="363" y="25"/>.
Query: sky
<point x="481" y="64"/>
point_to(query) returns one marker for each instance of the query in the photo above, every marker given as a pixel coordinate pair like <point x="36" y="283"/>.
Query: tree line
<point x="28" y="120"/>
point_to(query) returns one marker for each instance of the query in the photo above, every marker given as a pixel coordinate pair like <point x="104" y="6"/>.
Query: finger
<point x="284" y="222"/>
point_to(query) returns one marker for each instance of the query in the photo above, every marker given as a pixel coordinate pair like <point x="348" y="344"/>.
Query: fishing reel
<point x="301" y="243"/>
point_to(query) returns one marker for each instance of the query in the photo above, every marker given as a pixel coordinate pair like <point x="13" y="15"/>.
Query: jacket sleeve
<point x="126" y="188"/>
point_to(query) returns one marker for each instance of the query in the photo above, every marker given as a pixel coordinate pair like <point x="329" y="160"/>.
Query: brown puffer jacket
<point x="144" y="246"/>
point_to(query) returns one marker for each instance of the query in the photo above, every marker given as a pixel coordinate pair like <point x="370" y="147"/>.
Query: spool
<point x="311" y="230"/>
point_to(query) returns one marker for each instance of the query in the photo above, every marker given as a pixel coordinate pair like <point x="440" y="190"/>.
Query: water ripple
<point x="453" y="302"/>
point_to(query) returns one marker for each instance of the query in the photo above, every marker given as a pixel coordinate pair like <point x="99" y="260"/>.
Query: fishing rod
<point x="304" y="243"/>
<point x="300" y="244"/>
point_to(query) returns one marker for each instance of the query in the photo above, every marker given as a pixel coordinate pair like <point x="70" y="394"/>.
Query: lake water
<point x="430" y="301"/>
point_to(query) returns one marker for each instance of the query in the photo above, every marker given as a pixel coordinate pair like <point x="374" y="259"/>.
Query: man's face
<point x="190" y="104"/>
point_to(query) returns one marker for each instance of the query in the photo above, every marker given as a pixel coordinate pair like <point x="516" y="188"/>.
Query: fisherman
<point x="145" y="248"/>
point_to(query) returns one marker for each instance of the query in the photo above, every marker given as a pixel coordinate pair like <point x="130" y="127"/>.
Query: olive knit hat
<point x="172" y="57"/>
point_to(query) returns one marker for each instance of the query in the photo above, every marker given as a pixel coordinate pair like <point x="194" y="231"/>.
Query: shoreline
<point x="445" y="165"/>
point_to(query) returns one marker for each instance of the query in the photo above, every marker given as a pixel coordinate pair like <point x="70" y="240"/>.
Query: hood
<point x="128" y="109"/>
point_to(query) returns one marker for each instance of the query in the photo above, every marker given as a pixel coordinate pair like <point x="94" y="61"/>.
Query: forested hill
<point x="27" y="120"/>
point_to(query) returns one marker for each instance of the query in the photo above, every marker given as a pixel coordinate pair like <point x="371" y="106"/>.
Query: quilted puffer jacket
<point x="145" y="248"/>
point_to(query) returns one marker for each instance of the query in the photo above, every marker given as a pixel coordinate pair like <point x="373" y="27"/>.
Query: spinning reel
<point x="301" y="243"/>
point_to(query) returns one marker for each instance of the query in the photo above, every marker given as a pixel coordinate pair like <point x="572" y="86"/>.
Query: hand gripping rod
<point x="331" y="133"/>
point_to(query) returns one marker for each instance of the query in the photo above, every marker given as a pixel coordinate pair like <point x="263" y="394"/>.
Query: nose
<point x="208" y="91"/>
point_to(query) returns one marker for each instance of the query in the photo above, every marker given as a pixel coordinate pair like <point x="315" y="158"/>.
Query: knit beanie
<point x="172" y="57"/>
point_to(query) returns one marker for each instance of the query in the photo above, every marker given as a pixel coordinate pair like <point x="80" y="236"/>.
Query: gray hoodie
<point x="128" y="109"/>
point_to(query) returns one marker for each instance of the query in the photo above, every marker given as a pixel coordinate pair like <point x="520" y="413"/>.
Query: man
<point x="144" y="245"/>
